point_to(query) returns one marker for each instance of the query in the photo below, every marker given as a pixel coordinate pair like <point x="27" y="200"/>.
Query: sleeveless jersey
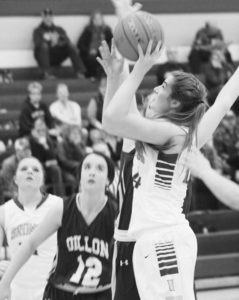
<point x="84" y="258"/>
<point x="18" y="225"/>
<point x="160" y="197"/>
<point x="128" y="183"/>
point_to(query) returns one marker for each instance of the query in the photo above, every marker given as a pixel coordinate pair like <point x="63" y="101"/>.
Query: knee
<point x="72" y="48"/>
<point x="43" y="47"/>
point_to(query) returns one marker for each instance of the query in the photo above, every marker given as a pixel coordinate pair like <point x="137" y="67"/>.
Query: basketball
<point x="137" y="28"/>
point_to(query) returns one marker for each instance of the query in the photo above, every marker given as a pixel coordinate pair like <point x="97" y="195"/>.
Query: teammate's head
<point x="96" y="171"/>
<point x="29" y="174"/>
<point x="181" y="99"/>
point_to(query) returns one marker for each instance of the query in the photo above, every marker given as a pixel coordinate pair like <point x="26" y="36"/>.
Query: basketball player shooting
<point x="173" y="121"/>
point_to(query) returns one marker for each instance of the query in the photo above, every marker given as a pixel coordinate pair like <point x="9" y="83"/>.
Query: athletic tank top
<point x="18" y="226"/>
<point x="160" y="196"/>
<point x="128" y="183"/>
<point x="84" y="255"/>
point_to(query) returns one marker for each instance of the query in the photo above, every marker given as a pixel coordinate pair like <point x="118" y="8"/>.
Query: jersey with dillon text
<point x="18" y="225"/>
<point x="84" y="258"/>
<point x="160" y="197"/>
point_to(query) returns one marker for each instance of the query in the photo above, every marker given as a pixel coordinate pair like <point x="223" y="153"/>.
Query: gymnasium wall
<point x="180" y="20"/>
<point x="180" y="29"/>
<point x="69" y="7"/>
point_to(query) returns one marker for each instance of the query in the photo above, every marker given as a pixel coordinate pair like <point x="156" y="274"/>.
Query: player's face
<point x="159" y="101"/>
<point x="29" y="174"/>
<point x="94" y="172"/>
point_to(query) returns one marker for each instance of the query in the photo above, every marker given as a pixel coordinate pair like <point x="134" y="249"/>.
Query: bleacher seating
<point x="218" y="249"/>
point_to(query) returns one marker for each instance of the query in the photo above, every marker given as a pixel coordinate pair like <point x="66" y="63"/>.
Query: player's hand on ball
<point x="3" y="267"/>
<point x="150" y="57"/>
<point x="109" y="60"/>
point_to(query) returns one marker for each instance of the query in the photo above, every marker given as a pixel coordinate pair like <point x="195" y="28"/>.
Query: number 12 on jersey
<point x="88" y="272"/>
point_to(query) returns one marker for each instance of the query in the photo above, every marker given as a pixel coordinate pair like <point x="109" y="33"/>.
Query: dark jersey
<point x="128" y="181"/>
<point x="84" y="251"/>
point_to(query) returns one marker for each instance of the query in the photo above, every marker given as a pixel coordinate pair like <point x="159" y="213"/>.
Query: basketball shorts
<point x="164" y="263"/>
<point x="123" y="280"/>
<point x="52" y="293"/>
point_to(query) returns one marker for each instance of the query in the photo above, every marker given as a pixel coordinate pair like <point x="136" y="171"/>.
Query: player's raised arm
<point x="224" y="189"/>
<point x="217" y="111"/>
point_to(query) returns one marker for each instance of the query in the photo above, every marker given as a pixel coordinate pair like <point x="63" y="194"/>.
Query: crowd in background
<point x="61" y="134"/>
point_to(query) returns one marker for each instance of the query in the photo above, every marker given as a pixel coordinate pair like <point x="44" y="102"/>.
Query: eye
<point x="35" y="169"/>
<point x="23" y="168"/>
<point x="87" y="166"/>
<point x="100" y="168"/>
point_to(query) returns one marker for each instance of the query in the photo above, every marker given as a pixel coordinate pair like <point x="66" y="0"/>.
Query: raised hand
<point x="149" y="58"/>
<point x="124" y="7"/>
<point x="110" y="61"/>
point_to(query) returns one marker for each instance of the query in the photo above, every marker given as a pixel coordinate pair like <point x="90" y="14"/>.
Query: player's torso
<point x="159" y="198"/>
<point x="19" y="224"/>
<point x="84" y="251"/>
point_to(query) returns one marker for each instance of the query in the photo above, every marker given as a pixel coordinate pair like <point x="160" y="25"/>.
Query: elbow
<point x="109" y="124"/>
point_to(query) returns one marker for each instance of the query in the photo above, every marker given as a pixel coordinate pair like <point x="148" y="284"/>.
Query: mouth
<point x="91" y="181"/>
<point x="29" y="178"/>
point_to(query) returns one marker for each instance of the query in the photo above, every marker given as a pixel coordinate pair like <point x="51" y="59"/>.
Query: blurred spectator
<point x="52" y="46"/>
<point x="216" y="72"/>
<point x="95" y="106"/>
<point x="70" y="152"/>
<point x="226" y="139"/>
<point x="95" y="136"/>
<point x="102" y="147"/>
<point x="43" y="147"/>
<point x="171" y="65"/>
<point x="63" y="110"/>
<point x="207" y="39"/>
<point x="32" y="109"/>
<point x="9" y="166"/>
<point x="90" y="40"/>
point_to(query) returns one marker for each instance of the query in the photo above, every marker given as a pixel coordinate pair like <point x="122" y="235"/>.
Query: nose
<point x="29" y="171"/>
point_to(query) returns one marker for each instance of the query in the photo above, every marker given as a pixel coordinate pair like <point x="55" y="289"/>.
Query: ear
<point x="174" y="103"/>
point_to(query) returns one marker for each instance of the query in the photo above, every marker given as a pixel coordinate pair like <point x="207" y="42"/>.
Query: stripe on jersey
<point x="167" y="259"/>
<point x="164" y="170"/>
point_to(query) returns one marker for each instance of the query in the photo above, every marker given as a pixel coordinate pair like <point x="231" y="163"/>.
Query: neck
<point x="30" y="197"/>
<point x="91" y="200"/>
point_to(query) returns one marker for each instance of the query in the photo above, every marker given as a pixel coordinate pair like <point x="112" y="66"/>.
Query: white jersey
<point x="159" y="200"/>
<point x="30" y="281"/>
